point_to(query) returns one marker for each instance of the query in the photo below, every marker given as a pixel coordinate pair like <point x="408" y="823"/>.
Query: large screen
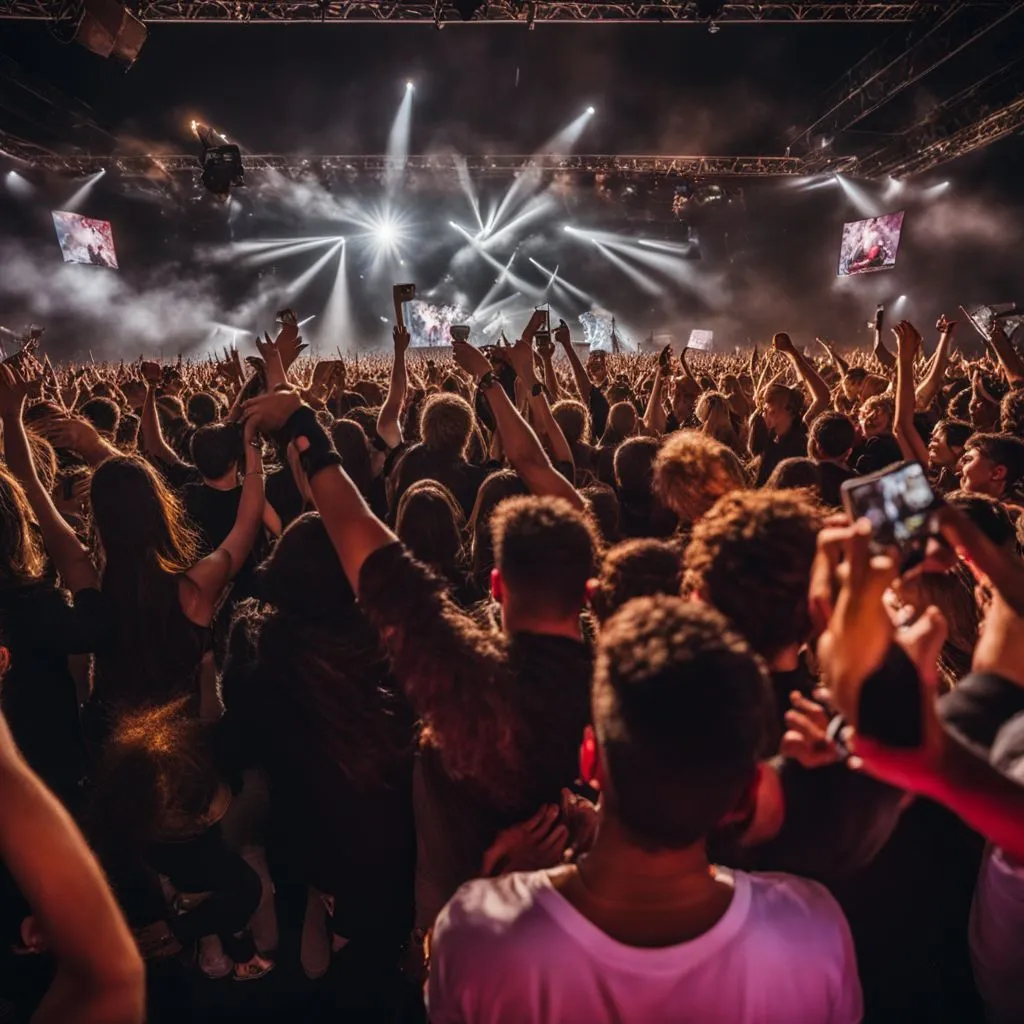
<point x="84" y="240"/>
<point x="870" y="245"/>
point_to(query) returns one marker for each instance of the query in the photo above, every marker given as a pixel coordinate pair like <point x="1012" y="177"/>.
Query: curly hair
<point x="1011" y="412"/>
<point x="751" y="557"/>
<point x="636" y="568"/>
<point x="692" y="471"/>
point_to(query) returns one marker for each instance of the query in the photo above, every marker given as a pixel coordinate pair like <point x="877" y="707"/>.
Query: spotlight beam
<point x="258" y="259"/>
<point x="335" y="326"/>
<point x="398" y="143"/>
<point x="642" y="281"/>
<point x="306" y="277"/>
<point x="71" y="206"/>
<point x="560" y="282"/>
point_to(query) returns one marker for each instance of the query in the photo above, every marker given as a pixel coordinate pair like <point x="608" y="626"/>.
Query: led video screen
<point x="84" y="240"/>
<point x="870" y="245"/>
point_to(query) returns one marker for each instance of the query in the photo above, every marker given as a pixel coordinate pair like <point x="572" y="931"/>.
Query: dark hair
<point x="679" y="707"/>
<point x="751" y="557"/>
<point x="429" y="522"/>
<point x="1011" y="412"/>
<point x="202" y="409"/>
<point x="505" y="483"/>
<point x="217" y="449"/>
<point x="103" y="414"/>
<point x="795" y="472"/>
<point x="366" y="418"/>
<point x="959" y="405"/>
<point x="545" y="551"/>
<point x="634" y="465"/>
<point x="573" y="418"/>
<point x="147" y="547"/>
<point x="127" y="436"/>
<point x="988" y="514"/>
<point x="605" y="509"/>
<point x="956" y="432"/>
<point x="1002" y="449"/>
<point x="446" y="423"/>
<point x="834" y="434"/>
<point x="636" y="568"/>
<point x="622" y="417"/>
<point x="350" y="440"/>
<point x="331" y="708"/>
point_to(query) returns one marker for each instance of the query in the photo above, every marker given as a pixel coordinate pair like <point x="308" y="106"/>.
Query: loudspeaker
<point x="111" y="30"/>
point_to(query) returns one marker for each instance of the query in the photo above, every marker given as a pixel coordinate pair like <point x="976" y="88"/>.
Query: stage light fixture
<point x="109" y="29"/>
<point x="590" y="110"/>
<point x="221" y="161"/>
<point x="409" y="86"/>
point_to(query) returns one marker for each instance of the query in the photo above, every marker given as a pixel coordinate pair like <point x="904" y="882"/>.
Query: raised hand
<point x="272" y="360"/>
<point x="782" y="342"/>
<point x="806" y="738"/>
<point x="562" y="334"/>
<point x="537" y="843"/>
<point x="151" y="372"/>
<point x="472" y="360"/>
<point x="944" y="325"/>
<point x="908" y="339"/>
<point x="400" y="339"/>
<point x="272" y="410"/>
<point x="13" y="392"/>
<point x="520" y="355"/>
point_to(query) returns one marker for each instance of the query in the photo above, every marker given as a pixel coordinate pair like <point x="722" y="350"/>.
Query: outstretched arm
<point x="907" y="343"/>
<point x="522" y="448"/>
<point x="152" y="436"/>
<point x="69" y="555"/>
<point x="579" y="372"/>
<point x="885" y="358"/>
<point x="388" y="425"/>
<point x="821" y="397"/>
<point x="929" y="387"/>
<point x="655" y="418"/>
<point x="99" y="978"/>
<point x="834" y="357"/>
<point x="1009" y="360"/>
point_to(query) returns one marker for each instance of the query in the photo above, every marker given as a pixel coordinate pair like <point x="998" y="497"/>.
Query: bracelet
<point x="321" y="452"/>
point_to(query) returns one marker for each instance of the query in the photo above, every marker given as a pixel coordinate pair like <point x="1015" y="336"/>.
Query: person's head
<point x="636" y="568"/>
<point x="713" y="410"/>
<point x="140" y="523"/>
<point x="202" y="409"/>
<point x="982" y="413"/>
<point x="959" y="405"/>
<point x="692" y="471"/>
<point x="853" y="380"/>
<point x="685" y="392"/>
<point x="40" y="412"/>
<point x="679" y="708"/>
<point x="605" y="509"/>
<point x="21" y="550"/>
<point x="350" y="441"/>
<point x="795" y="472"/>
<point x="217" y="450"/>
<point x="619" y="391"/>
<point x="127" y="432"/>
<point x="750" y="557"/>
<point x="429" y="523"/>
<point x="446" y="423"/>
<point x="544" y="554"/>
<point x="573" y="418"/>
<point x="370" y="390"/>
<point x="832" y="437"/>
<point x="505" y="483"/>
<point x="992" y="464"/>
<point x="783" y="406"/>
<point x="1011" y="412"/>
<point x="876" y="416"/>
<point x="622" y="423"/>
<point x="634" y="466"/>
<point x="103" y="414"/>
<point x="989" y="515"/>
<point x="946" y="445"/>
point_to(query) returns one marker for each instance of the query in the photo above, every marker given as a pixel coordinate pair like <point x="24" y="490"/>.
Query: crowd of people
<point x="506" y="686"/>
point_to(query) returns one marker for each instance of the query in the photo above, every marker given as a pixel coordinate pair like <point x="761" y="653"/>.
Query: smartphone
<point x="898" y="501"/>
<point x="459" y="332"/>
<point x="402" y="294"/>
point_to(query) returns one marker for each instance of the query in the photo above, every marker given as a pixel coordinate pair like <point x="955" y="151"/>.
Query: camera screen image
<point x="897" y="503"/>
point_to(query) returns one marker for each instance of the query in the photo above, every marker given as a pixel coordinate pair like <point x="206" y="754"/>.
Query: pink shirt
<point x="513" y="950"/>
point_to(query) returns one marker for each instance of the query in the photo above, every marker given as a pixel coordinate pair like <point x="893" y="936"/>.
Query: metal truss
<point x="528" y="12"/>
<point x="987" y="129"/>
<point x="960" y="112"/>
<point x="880" y="76"/>
<point x="668" y="166"/>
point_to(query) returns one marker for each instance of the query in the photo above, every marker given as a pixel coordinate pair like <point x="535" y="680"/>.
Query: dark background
<point x="769" y="261"/>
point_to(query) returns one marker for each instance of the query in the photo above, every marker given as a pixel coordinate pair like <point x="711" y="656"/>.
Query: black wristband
<point x="488" y="380"/>
<point x="321" y="452"/>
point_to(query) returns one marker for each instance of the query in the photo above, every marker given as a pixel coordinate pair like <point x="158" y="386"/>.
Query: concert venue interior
<point x="666" y="164"/>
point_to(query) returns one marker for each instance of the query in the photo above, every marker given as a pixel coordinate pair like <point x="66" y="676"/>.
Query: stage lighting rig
<point x="467" y="8"/>
<point x="221" y="160"/>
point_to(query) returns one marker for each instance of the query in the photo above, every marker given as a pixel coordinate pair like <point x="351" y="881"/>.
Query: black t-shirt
<point x="875" y="453"/>
<point x="791" y="445"/>
<point x="284" y="496"/>
<point x="833" y="477"/>
<point x="44" y="625"/>
<point x="462" y="478"/>
<point x="214" y="512"/>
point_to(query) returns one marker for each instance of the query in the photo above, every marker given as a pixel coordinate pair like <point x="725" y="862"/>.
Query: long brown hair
<point x="21" y="552"/>
<point x="147" y="545"/>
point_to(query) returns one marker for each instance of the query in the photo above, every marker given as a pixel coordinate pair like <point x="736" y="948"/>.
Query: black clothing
<point x="792" y="445"/>
<point x="832" y="478"/>
<point x="875" y="453"/>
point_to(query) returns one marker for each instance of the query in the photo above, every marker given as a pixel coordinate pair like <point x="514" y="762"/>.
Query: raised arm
<point x="521" y="358"/>
<point x="821" y="397"/>
<point x="99" y="975"/>
<point x="655" y="419"/>
<point x="522" y="448"/>
<point x="546" y="354"/>
<point x="885" y="358"/>
<point x="69" y="555"/>
<point x="152" y="436"/>
<point x="1007" y="355"/>
<point x="907" y="343"/>
<point x="579" y="372"/>
<point x="929" y="387"/>
<point x="388" y="424"/>
<point x="205" y="582"/>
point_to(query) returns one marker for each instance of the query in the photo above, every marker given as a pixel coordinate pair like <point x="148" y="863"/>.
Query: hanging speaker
<point x="109" y="29"/>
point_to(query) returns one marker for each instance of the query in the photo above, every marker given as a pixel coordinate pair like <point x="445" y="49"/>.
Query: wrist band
<point x="321" y="452"/>
<point x="488" y="380"/>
